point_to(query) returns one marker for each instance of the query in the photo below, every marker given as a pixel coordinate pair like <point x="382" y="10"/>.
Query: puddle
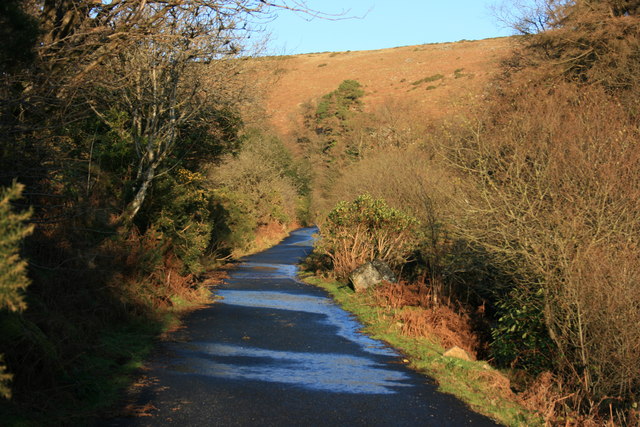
<point x="263" y="268"/>
<point x="258" y="270"/>
<point x="363" y="369"/>
<point x="303" y="237"/>
<point x="346" y="325"/>
<point x="337" y="373"/>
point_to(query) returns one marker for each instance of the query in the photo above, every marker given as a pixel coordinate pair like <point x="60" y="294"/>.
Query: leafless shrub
<point x="557" y="196"/>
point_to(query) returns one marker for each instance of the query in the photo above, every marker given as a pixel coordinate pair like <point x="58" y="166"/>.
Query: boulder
<point x="370" y="274"/>
<point x="384" y="270"/>
<point x="458" y="353"/>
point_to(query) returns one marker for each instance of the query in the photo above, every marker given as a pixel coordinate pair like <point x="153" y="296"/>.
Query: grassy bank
<point x="92" y="384"/>
<point x="484" y="389"/>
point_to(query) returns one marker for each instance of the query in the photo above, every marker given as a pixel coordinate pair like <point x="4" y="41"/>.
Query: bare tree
<point x="530" y="16"/>
<point x="146" y="59"/>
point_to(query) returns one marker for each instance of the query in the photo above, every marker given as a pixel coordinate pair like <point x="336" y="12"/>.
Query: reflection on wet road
<point x="275" y="351"/>
<point x="334" y="316"/>
<point x="337" y="373"/>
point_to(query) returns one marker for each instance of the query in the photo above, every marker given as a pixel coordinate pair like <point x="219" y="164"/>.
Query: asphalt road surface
<point x="277" y="352"/>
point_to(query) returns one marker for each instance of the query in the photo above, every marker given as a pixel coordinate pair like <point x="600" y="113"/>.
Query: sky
<point x="379" y="24"/>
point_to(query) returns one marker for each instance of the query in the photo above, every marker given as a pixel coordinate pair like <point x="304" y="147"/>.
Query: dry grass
<point x="150" y="278"/>
<point x="386" y="75"/>
<point x="419" y="313"/>
<point x="269" y="234"/>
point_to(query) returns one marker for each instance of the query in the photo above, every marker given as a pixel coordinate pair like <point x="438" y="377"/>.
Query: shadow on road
<point x="275" y="351"/>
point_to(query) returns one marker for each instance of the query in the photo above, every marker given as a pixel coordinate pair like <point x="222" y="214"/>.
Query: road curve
<point x="277" y="352"/>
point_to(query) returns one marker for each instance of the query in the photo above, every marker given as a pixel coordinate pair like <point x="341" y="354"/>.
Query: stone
<point x="370" y="274"/>
<point x="384" y="270"/>
<point x="364" y="277"/>
<point x="458" y="353"/>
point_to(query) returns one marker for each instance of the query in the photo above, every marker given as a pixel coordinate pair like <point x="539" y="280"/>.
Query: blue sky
<point x="383" y="24"/>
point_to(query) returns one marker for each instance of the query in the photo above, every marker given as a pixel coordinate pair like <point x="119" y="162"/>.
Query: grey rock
<point x="384" y="270"/>
<point x="370" y="274"/>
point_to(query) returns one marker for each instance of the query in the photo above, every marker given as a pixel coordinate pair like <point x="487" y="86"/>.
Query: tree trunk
<point x="134" y="206"/>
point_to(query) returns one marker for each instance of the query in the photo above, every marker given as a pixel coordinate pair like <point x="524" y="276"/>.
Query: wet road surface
<point x="275" y="351"/>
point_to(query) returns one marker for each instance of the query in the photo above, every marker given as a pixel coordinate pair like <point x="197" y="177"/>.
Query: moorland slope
<point x="432" y="78"/>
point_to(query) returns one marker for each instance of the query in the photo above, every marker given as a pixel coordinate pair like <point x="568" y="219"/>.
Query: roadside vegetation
<point x="128" y="174"/>
<point x="125" y="173"/>
<point x="526" y="209"/>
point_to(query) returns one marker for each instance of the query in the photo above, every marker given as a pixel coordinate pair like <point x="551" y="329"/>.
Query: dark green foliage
<point x="366" y="229"/>
<point x="182" y="211"/>
<point x="341" y="102"/>
<point x="206" y="139"/>
<point x="336" y="116"/>
<point x="520" y="338"/>
<point x="18" y="32"/>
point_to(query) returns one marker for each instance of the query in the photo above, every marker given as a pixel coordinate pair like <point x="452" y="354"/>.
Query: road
<point x="276" y="352"/>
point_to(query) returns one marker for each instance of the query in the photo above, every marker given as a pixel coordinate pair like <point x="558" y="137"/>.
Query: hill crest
<point x="432" y="78"/>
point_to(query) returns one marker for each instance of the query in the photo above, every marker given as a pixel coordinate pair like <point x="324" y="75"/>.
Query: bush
<point x="262" y="185"/>
<point x="367" y="229"/>
<point x="182" y="212"/>
<point x="341" y="101"/>
<point x="414" y="183"/>
<point x="13" y="276"/>
<point x="520" y="337"/>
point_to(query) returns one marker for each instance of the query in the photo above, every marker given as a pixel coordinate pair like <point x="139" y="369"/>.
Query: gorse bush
<point x="367" y="229"/>
<point x="183" y="213"/>
<point x="13" y="275"/>
<point x="341" y="102"/>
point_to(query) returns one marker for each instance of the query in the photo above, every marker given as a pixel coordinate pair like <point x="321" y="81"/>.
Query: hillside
<point x="433" y="77"/>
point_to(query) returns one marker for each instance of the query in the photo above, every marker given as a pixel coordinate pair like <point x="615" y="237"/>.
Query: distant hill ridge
<point x="432" y="77"/>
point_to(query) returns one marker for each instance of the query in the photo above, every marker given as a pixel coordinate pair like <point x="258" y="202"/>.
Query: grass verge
<point x="477" y="384"/>
<point x="91" y="384"/>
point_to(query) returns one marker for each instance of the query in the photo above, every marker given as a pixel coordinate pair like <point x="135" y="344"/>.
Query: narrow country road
<point x="277" y="352"/>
